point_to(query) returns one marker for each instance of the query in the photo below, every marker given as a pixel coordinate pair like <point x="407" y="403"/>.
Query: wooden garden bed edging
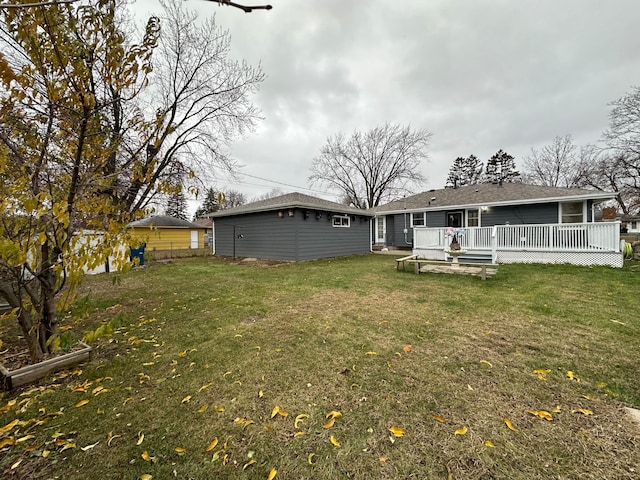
<point x="31" y="373"/>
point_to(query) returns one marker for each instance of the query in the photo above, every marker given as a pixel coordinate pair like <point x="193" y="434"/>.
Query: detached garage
<point x="292" y="227"/>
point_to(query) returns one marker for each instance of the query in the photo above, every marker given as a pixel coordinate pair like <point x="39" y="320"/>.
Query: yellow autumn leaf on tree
<point x="298" y="419"/>
<point x="82" y="403"/>
<point x="509" y="424"/>
<point x="461" y="431"/>
<point x="335" y="441"/>
<point x="584" y="411"/>
<point x="272" y="474"/>
<point x="397" y="431"/>
<point x="212" y="445"/>
<point x="541" y="414"/>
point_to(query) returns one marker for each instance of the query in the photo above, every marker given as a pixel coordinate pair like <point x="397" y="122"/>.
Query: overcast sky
<point x="481" y="75"/>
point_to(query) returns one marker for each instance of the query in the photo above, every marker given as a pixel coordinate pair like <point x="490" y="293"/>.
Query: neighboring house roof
<point x="291" y="200"/>
<point x="489" y="194"/>
<point x="204" y="222"/>
<point x="164" y="221"/>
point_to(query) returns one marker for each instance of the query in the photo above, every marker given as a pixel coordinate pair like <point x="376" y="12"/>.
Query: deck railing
<point x="576" y="237"/>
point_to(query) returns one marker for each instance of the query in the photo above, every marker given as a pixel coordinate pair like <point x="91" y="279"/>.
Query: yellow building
<point x="167" y="236"/>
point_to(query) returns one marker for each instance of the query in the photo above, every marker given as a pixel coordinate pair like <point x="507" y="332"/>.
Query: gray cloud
<point x="480" y="74"/>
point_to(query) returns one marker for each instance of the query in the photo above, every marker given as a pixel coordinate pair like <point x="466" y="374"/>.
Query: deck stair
<point x="471" y="257"/>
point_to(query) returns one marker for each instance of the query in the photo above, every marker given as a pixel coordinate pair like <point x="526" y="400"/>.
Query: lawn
<point x="340" y="369"/>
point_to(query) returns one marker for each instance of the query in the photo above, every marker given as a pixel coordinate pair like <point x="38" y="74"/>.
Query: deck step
<point x="473" y="258"/>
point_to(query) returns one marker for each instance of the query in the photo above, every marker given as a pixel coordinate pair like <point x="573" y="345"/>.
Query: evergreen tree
<point x="209" y="204"/>
<point x="501" y="168"/>
<point x="177" y="205"/>
<point x="465" y="171"/>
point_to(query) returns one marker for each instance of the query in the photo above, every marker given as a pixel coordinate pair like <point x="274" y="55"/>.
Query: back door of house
<point x="381" y="229"/>
<point x="194" y="238"/>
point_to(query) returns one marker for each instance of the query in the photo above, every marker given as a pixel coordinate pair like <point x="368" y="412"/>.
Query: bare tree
<point x="375" y="166"/>
<point x="232" y="199"/>
<point x="554" y="165"/>
<point x="199" y="101"/>
<point x="624" y="124"/>
<point x="274" y="192"/>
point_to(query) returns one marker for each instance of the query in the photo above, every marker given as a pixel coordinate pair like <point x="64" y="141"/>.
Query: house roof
<point x="290" y="200"/>
<point x="489" y="194"/>
<point x="164" y="221"/>
<point x="204" y="222"/>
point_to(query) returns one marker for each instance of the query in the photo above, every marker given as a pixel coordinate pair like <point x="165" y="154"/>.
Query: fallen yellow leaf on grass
<point x="204" y="387"/>
<point x="335" y="441"/>
<point x="407" y="348"/>
<point x="329" y="423"/>
<point x="541" y="371"/>
<point x="25" y="438"/>
<point x="146" y="457"/>
<point x="397" y="431"/>
<point x="146" y="476"/>
<point x="186" y="399"/>
<point x="486" y="362"/>
<point x="333" y="414"/>
<point x="584" y="411"/>
<point x="203" y="408"/>
<point x="219" y="408"/>
<point x="179" y="450"/>
<point x="278" y="411"/>
<point x="438" y="418"/>
<point x="84" y="449"/>
<point x="15" y="465"/>
<point x="298" y="419"/>
<point x="489" y="443"/>
<point x="298" y="434"/>
<point x="82" y="403"/>
<point x="383" y="459"/>
<point x="509" y="424"/>
<point x="212" y="445"/>
<point x="557" y="409"/>
<point x="461" y="431"/>
<point x="140" y="438"/>
<point x="272" y="474"/>
<point x="371" y="353"/>
<point x="541" y="414"/>
<point x="572" y="376"/>
<point x="248" y="464"/>
<point x="9" y="426"/>
<point x="7" y="441"/>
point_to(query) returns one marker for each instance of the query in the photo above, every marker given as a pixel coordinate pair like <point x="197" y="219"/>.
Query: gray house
<point x="292" y="227"/>
<point x="503" y="223"/>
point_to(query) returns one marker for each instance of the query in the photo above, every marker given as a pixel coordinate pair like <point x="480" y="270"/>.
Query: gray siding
<point x="521" y="214"/>
<point x="395" y="230"/>
<point x="265" y="235"/>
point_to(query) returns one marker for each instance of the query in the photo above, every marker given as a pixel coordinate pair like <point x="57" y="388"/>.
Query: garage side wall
<point x="305" y="235"/>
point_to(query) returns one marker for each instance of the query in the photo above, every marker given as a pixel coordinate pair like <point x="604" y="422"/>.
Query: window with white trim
<point x="418" y="219"/>
<point x="341" y="221"/>
<point x="473" y="218"/>
<point x="572" y="212"/>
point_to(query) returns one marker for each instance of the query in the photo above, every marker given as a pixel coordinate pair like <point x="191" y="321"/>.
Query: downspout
<point x="371" y="226"/>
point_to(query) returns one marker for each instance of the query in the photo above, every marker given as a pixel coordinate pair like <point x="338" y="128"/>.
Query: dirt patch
<point x="634" y="415"/>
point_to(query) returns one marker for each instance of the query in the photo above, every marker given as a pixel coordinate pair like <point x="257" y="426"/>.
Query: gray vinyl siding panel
<point x="266" y="235"/>
<point x="391" y="233"/>
<point x="521" y="214"/>
<point x="396" y="228"/>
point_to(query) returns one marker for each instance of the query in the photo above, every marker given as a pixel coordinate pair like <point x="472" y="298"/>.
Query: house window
<point x="473" y="218"/>
<point x="454" y="219"/>
<point x="418" y="219"/>
<point x="341" y="221"/>
<point x="572" y="212"/>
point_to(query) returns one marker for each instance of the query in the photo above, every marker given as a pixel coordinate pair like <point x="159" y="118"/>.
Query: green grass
<point x="328" y="335"/>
